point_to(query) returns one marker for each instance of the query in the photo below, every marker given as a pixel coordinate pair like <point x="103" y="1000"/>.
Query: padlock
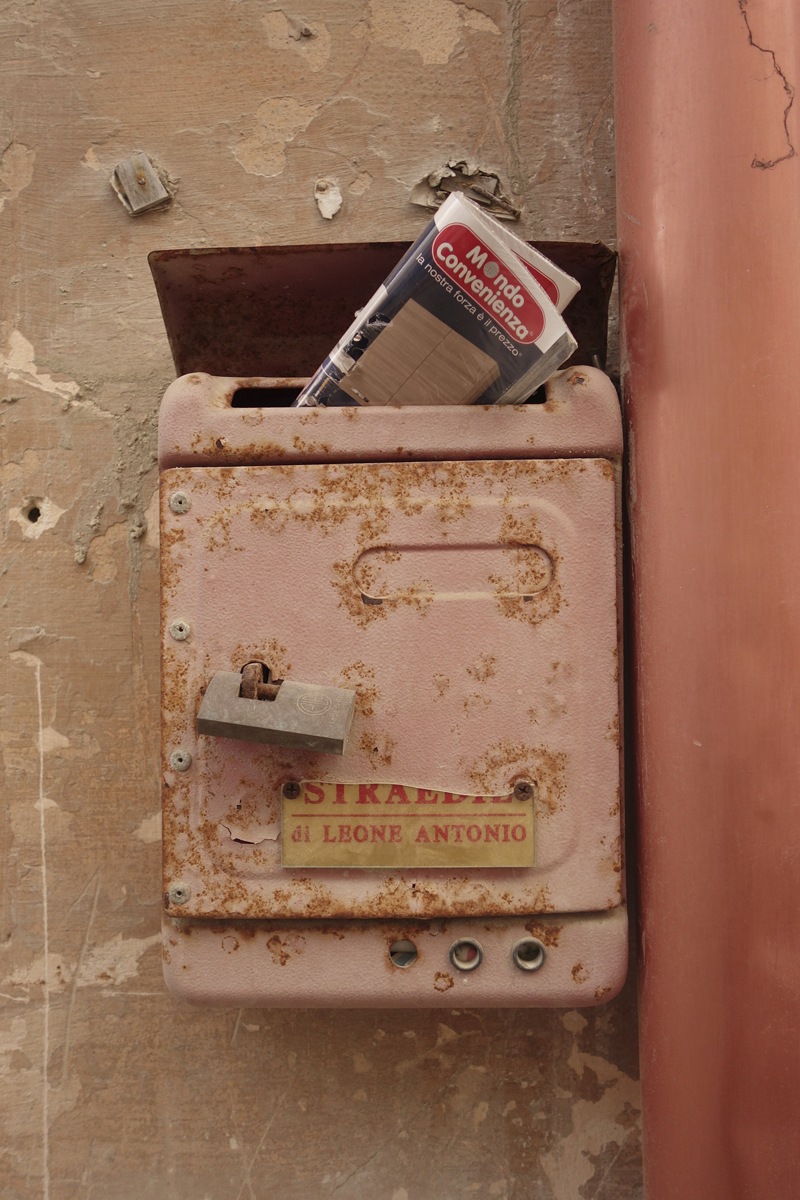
<point x="306" y="716"/>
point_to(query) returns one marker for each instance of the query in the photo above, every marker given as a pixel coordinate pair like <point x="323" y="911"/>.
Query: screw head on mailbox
<point x="430" y="762"/>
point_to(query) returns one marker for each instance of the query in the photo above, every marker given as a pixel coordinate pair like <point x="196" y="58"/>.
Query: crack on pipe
<point x="768" y="164"/>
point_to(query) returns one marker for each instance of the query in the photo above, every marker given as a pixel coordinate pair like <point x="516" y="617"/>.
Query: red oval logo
<point x="462" y="256"/>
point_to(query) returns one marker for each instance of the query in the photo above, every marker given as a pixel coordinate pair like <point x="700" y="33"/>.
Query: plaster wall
<point x="109" y="1086"/>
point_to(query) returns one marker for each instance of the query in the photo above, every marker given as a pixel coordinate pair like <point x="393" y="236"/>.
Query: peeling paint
<point x="278" y="122"/>
<point x="149" y="829"/>
<point x="431" y="28"/>
<point x="16" y="171"/>
<point x="50" y="740"/>
<point x="18" y="365"/>
<point x="610" y="1120"/>
<point x="112" y="963"/>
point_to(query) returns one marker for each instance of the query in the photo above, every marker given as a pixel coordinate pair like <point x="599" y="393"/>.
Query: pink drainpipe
<point x="709" y="224"/>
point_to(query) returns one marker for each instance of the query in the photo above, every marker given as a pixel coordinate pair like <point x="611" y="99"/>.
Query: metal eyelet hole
<point x="180" y="630"/>
<point x="466" y="954"/>
<point x="403" y="953"/>
<point x="529" y="954"/>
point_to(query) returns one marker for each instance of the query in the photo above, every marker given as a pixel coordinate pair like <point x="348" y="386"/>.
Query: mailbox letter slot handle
<point x="303" y="715"/>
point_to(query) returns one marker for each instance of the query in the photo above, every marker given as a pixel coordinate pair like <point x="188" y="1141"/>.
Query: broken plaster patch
<point x="16" y="170"/>
<point x="477" y="183"/>
<point x="149" y="829"/>
<point x="433" y="28"/>
<point x="114" y="962"/>
<point x="105" y="558"/>
<point x="35" y="516"/>
<point x="90" y="159"/>
<point x="328" y="197"/>
<point x="361" y="184"/>
<point x="311" y="42"/>
<point x="18" y="365"/>
<point x="279" y="121"/>
<point x="51" y="740"/>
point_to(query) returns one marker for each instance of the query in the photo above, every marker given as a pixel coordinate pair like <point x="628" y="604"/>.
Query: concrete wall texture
<point x="109" y="1086"/>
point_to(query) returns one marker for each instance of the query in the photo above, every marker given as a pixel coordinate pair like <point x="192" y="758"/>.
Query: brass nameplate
<point x="388" y="825"/>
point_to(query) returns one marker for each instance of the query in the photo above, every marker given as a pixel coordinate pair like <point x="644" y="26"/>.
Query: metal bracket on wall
<point x="139" y="186"/>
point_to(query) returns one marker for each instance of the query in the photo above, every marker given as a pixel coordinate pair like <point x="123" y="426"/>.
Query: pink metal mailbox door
<point x="457" y="570"/>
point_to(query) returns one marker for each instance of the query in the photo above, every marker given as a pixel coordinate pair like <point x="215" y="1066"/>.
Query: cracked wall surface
<point x="109" y="1086"/>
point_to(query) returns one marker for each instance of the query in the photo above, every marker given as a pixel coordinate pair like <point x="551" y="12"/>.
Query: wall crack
<point x="763" y="164"/>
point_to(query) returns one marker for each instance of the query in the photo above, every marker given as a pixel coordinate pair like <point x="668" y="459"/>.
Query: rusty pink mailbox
<point x="391" y="764"/>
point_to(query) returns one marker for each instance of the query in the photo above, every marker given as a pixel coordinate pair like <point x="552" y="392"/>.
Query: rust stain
<point x="615" y="807"/>
<point x="378" y="748"/>
<point x="271" y="652"/>
<point x="172" y="537"/>
<point x="409" y="899"/>
<point x="205" y="446"/>
<point x="547" y="934"/>
<point x="361" y="678"/>
<point x="443" y="981"/>
<point x="506" y="761"/>
<point x="309" y="448"/>
<point x="579" y="973"/>
<point x="484" y="667"/>
<point x="281" y="949"/>
<point x="441" y="683"/>
<point x="534" y="582"/>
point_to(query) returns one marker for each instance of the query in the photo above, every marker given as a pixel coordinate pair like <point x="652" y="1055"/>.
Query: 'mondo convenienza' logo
<point x="463" y="257"/>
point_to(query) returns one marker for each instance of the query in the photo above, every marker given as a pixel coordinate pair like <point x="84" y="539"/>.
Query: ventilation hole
<point x="466" y="954"/>
<point x="529" y="954"/>
<point x="264" y="397"/>
<point x="403" y="953"/>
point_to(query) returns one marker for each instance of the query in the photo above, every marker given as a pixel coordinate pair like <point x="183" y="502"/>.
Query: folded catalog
<point x="470" y="315"/>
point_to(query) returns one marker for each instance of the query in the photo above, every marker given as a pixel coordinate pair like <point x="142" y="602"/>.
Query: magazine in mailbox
<point x="470" y="315"/>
